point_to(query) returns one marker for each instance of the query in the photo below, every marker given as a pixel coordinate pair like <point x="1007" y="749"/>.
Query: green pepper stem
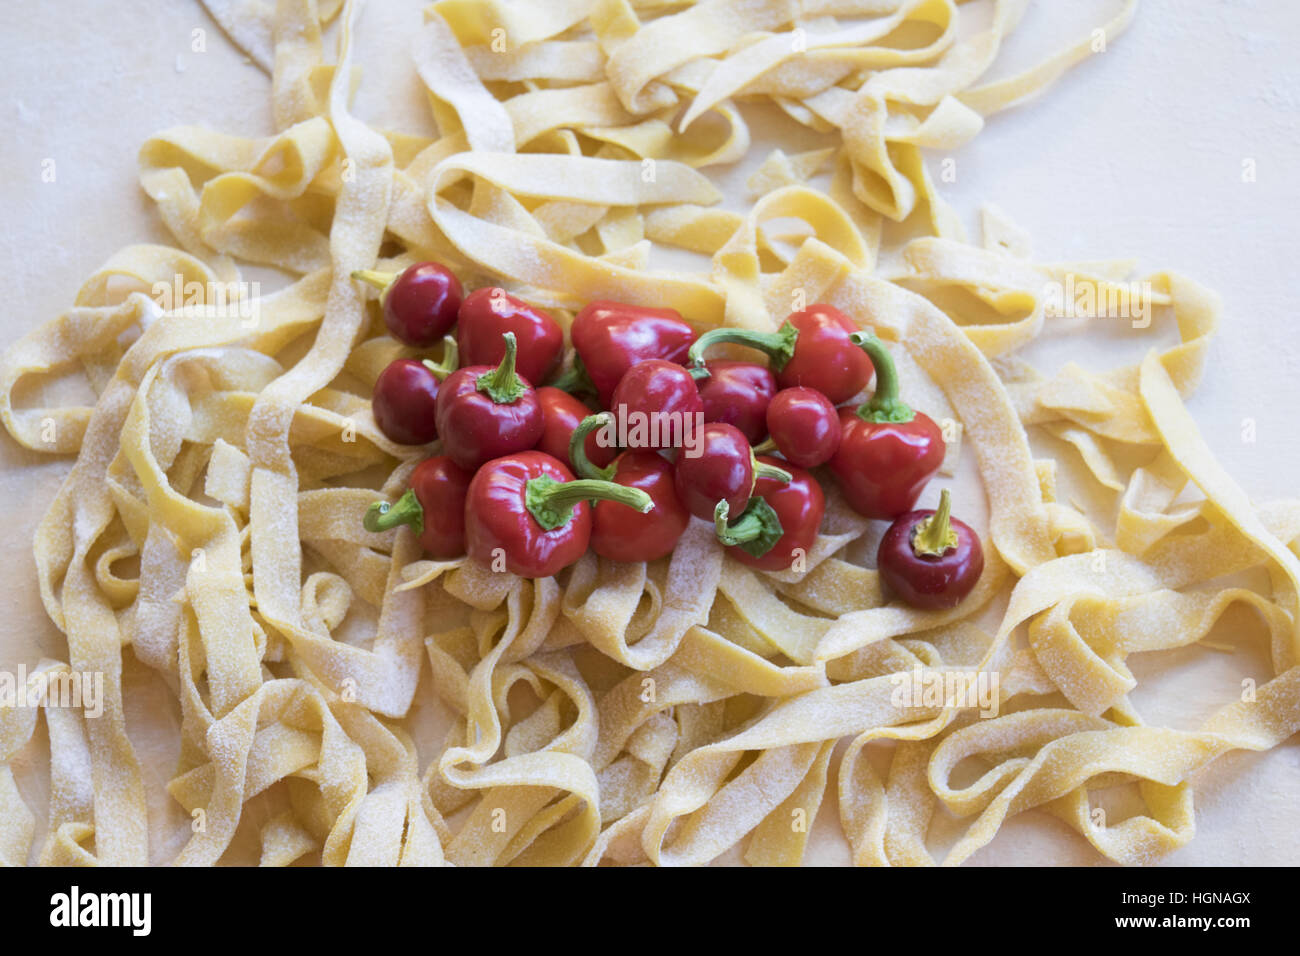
<point x="756" y="530"/>
<point x="778" y="346"/>
<point x="502" y="384"/>
<point x="884" y="405"/>
<point x="935" y="536"/>
<point x="450" y="359"/>
<point x="380" y="280"/>
<point x="766" y="447"/>
<point x="763" y="470"/>
<point x="574" y="379"/>
<point x="551" y="502"/>
<point x="726" y="534"/>
<point x="583" y="466"/>
<point x="381" y="516"/>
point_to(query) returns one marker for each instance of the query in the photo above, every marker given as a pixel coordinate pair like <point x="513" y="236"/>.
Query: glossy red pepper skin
<point x="475" y="429"/>
<point x="800" y="505"/>
<point x="724" y="470"/>
<point x="883" y="467"/>
<point x="487" y="314"/>
<point x="824" y="358"/>
<point x="657" y="387"/>
<point x="421" y="304"/>
<point x="611" y="337"/>
<point x="497" y="517"/>
<point x="813" y="348"/>
<point x="433" y="507"/>
<point x="441" y="486"/>
<point x="561" y="414"/>
<point x="404" y="402"/>
<point x="929" y="582"/>
<point x="804" y="425"/>
<point x="738" y="393"/>
<point x="621" y="533"/>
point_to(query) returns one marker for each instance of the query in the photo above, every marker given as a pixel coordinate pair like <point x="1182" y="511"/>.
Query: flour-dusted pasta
<point x="675" y="708"/>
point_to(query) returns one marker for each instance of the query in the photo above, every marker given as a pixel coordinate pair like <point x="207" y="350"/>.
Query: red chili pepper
<point x="618" y="532"/>
<point x="526" y="513"/>
<point x="611" y="337"/>
<point x="887" y="451"/>
<point x="804" y="426"/>
<point x="404" y="400"/>
<point x="420" y="302"/>
<point x="812" y="348"/>
<point x="658" y="403"/>
<point x="738" y="393"/>
<point x="798" y="506"/>
<point x="434" y="507"/>
<point x="486" y="412"/>
<point x="561" y="414"/>
<point x="929" y="558"/>
<point x="487" y="314"/>
<point x="724" y="470"/>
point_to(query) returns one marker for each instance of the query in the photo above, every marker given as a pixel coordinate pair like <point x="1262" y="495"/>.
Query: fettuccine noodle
<point x="676" y="708"/>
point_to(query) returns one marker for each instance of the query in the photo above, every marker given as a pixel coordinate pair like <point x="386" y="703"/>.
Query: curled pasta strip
<point x="602" y="600"/>
<point x="1069" y="758"/>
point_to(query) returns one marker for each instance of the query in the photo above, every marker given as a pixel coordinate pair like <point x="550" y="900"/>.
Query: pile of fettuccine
<point x="617" y="713"/>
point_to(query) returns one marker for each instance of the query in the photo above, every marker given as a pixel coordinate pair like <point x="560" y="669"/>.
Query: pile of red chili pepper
<point x="531" y="476"/>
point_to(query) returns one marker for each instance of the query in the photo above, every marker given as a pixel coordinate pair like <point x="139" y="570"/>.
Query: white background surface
<point x="1138" y="153"/>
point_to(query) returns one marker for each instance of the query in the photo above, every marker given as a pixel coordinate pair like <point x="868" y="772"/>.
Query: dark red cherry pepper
<point x="486" y="412"/>
<point x="929" y="558"/>
<point x="887" y="451"/>
<point x="812" y="348"/>
<point x="420" y="303"/>
<point x="738" y="393"/>
<point x="611" y="337"/>
<point x="487" y="314"/>
<point x="721" y="468"/>
<point x="798" y="506"/>
<point x="804" y="426"/>
<point x="561" y="414"/>
<point x="658" y="403"/>
<point x="526" y="514"/>
<point x="618" y="532"/>
<point x="434" y="507"/>
<point x="404" y="400"/>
